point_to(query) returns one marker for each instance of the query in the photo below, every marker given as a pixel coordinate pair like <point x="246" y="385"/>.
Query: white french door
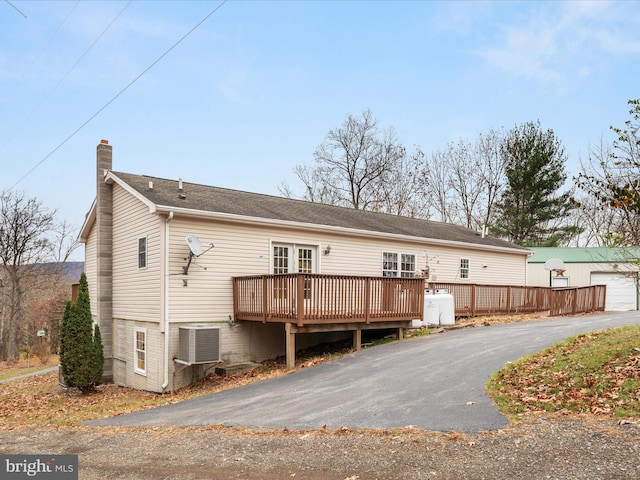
<point x="291" y="258"/>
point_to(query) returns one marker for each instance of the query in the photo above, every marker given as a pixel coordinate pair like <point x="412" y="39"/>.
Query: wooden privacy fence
<point x="472" y="299"/>
<point x="567" y="300"/>
<point x="304" y="298"/>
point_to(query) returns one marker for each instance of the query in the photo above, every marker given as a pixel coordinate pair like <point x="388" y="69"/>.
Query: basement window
<point x="140" y="350"/>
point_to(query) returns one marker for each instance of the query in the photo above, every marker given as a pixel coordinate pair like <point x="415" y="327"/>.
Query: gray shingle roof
<point x="234" y="202"/>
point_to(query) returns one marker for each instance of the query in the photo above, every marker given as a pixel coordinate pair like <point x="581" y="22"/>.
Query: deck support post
<point x="357" y="339"/>
<point x="400" y="333"/>
<point x="290" y="341"/>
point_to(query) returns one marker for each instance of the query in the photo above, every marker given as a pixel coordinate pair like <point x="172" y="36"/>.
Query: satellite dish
<point x="554" y="264"/>
<point x="195" y="250"/>
<point x="194" y="245"/>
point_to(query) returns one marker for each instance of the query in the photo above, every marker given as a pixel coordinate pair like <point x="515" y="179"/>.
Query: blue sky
<point x="254" y="89"/>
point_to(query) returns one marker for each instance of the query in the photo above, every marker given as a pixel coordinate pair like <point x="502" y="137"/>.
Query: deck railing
<point x="472" y="300"/>
<point x="323" y="299"/>
<point x="568" y="300"/>
<point x="318" y="299"/>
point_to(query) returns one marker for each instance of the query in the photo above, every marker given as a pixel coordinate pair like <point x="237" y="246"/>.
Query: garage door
<point x="621" y="290"/>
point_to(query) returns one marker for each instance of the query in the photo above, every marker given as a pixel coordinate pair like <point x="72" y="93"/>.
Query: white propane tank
<point x="446" y="307"/>
<point x="431" y="313"/>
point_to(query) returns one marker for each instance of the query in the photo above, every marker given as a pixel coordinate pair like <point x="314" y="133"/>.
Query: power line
<point x="15" y="8"/>
<point x="44" y="46"/>
<point x="180" y="40"/>
<point x="64" y="77"/>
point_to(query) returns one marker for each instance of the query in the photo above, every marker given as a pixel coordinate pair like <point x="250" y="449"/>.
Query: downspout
<point x="165" y="276"/>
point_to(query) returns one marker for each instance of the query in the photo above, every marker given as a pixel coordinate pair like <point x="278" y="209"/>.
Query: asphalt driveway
<point x="434" y="383"/>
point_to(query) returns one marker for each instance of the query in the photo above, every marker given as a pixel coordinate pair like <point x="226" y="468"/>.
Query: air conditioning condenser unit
<point x="199" y="344"/>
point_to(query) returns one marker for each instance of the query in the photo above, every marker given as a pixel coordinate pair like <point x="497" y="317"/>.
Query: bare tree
<point x="315" y="189"/>
<point x="465" y="180"/>
<point x="63" y="241"/>
<point x="612" y="178"/>
<point x="435" y="178"/>
<point x="492" y="177"/>
<point x="597" y="222"/>
<point x="353" y="165"/>
<point x="598" y="219"/>
<point x="403" y="191"/>
<point x="24" y="228"/>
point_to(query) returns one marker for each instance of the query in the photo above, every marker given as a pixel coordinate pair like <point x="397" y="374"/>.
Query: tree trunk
<point x="15" y="317"/>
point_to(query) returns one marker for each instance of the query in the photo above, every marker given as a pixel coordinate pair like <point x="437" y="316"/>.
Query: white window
<point x="405" y="268"/>
<point x="305" y="260"/>
<point x="389" y="264"/>
<point x="280" y="259"/>
<point x="142" y="252"/>
<point x="408" y="266"/>
<point x="140" y="350"/>
<point x="464" y="268"/>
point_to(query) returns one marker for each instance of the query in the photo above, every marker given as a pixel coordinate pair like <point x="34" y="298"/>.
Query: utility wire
<point x="45" y="45"/>
<point x="15" y="8"/>
<point x="118" y="94"/>
<point x="64" y="77"/>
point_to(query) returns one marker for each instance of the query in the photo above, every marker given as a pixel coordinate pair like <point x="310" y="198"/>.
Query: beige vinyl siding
<point x="136" y="292"/>
<point x="208" y="296"/>
<point x="245" y="249"/>
<point x="91" y="268"/>
<point x="579" y="274"/>
<point x="363" y="256"/>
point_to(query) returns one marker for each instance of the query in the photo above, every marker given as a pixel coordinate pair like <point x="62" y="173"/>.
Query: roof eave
<point x="87" y="225"/>
<point x="113" y="178"/>
<point x="166" y="209"/>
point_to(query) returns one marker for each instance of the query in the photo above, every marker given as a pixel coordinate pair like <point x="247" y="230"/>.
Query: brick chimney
<point x="104" y="287"/>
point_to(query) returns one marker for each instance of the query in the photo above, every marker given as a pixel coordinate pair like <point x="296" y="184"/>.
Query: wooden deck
<point x="473" y="299"/>
<point x="315" y="299"/>
<point x="309" y="303"/>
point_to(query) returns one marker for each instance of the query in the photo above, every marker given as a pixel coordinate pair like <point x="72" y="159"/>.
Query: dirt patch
<point x="498" y="319"/>
<point x="537" y="448"/>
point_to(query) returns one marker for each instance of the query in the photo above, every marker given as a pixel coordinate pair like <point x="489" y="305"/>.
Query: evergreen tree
<point x="65" y="361"/>
<point x="97" y="366"/>
<point x="530" y="211"/>
<point x="81" y="353"/>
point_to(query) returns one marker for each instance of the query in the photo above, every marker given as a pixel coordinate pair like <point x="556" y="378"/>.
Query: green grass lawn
<point x="597" y="373"/>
